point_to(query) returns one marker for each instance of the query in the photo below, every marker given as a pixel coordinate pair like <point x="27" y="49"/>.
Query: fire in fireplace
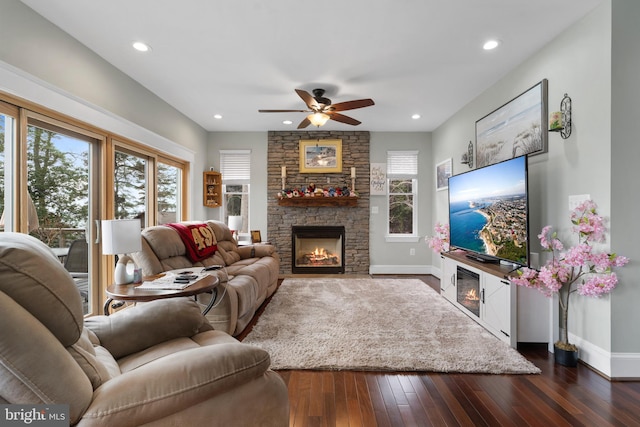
<point x="468" y="294"/>
<point x="317" y="249"/>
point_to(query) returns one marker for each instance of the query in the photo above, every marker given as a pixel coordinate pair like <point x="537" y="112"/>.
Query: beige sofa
<point x="155" y="364"/>
<point x="252" y="271"/>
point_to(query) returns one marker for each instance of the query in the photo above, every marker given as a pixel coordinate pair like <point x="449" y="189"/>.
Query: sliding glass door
<point x="8" y="144"/>
<point x="62" y="186"/>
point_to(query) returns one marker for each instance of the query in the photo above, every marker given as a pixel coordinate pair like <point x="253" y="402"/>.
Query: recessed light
<point x="142" y="47"/>
<point x="217" y="116"/>
<point x="490" y="44"/>
<point x="415" y="116"/>
<point x="287" y="122"/>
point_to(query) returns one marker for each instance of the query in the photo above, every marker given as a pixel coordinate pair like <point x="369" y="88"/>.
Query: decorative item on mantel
<point x="283" y="174"/>
<point x="316" y="196"/>
<point x="467" y="158"/>
<point x="580" y="269"/>
<point x="560" y="121"/>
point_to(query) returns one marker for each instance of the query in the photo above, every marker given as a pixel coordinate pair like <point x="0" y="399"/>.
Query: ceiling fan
<point x="322" y="109"/>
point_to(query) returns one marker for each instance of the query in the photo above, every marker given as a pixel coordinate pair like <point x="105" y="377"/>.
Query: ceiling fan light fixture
<point x="318" y="119"/>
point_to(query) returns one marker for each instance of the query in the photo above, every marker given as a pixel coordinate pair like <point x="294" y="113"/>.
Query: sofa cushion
<point x="247" y="292"/>
<point x="98" y="368"/>
<point x="34" y="278"/>
<point x="34" y="366"/>
<point x="199" y="240"/>
<point x="135" y="329"/>
<point x="229" y="256"/>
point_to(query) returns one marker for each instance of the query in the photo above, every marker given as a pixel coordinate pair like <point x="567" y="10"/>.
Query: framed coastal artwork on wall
<point x="443" y="172"/>
<point x="518" y="127"/>
<point x="321" y="156"/>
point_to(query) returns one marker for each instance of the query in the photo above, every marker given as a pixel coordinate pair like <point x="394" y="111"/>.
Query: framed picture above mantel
<point x="518" y="127"/>
<point x="320" y="156"/>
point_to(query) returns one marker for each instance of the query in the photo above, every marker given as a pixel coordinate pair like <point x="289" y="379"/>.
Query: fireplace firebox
<point x="317" y="249"/>
<point x="468" y="284"/>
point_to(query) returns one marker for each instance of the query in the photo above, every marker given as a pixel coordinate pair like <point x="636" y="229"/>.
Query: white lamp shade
<point x="121" y="236"/>
<point x="235" y="223"/>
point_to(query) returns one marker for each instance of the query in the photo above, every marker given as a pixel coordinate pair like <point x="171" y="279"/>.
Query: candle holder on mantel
<point x="353" y="179"/>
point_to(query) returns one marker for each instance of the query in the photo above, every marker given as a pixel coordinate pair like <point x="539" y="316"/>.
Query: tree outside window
<point x="401" y="206"/>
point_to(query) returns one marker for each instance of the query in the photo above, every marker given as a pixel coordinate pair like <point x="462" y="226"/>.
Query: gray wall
<point x="384" y="257"/>
<point x="394" y="257"/>
<point x="95" y="91"/>
<point x="625" y="173"/>
<point x="597" y="159"/>
<point x="257" y="143"/>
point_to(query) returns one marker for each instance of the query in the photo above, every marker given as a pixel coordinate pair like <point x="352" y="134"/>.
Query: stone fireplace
<point x="283" y="150"/>
<point x="317" y="249"/>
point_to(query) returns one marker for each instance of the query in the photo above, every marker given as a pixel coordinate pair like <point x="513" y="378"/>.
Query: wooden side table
<point x="131" y="292"/>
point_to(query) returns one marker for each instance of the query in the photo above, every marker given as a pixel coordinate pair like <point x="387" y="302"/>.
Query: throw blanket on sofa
<point x="198" y="238"/>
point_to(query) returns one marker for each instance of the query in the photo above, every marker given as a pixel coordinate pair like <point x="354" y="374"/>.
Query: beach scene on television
<point x="488" y="210"/>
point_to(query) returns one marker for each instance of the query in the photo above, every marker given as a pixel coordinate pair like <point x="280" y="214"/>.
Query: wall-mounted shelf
<point x="212" y="189"/>
<point x="301" y="202"/>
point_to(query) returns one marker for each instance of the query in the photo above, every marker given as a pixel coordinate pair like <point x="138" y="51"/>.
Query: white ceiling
<point x="233" y="57"/>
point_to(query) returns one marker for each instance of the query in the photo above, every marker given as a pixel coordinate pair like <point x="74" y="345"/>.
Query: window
<point x="59" y="152"/>
<point x="402" y="181"/>
<point x="169" y="190"/>
<point x="58" y="176"/>
<point x="130" y="186"/>
<point x="235" y="166"/>
<point x="147" y="186"/>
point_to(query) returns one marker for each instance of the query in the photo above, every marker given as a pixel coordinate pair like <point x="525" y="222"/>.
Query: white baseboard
<point x="400" y="269"/>
<point x="625" y="366"/>
<point x="618" y="366"/>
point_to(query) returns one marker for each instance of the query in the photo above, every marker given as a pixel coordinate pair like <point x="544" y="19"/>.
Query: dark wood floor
<point x="559" y="396"/>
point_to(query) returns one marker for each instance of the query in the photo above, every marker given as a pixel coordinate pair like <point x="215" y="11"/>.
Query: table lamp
<point x="120" y="237"/>
<point x="235" y="225"/>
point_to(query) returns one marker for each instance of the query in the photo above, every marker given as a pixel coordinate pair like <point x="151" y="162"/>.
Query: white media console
<point x="483" y="292"/>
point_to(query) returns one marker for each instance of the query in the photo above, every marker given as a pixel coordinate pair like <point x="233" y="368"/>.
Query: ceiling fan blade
<point x="352" y="105"/>
<point x="303" y="124"/>
<point x="283" y="111"/>
<point x="343" y="119"/>
<point x="308" y="99"/>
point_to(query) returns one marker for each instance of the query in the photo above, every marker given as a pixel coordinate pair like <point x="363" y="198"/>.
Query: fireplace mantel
<point x="301" y="202"/>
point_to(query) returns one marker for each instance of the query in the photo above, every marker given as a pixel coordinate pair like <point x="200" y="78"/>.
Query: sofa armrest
<point x="175" y="382"/>
<point x="256" y="251"/>
<point x="137" y="328"/>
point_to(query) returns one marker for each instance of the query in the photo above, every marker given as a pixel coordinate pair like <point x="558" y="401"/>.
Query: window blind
<point x="402" y="164"/>
<point x="235" y="166"/>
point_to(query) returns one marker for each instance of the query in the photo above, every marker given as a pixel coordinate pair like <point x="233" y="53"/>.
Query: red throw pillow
<point x="199" y="240"/>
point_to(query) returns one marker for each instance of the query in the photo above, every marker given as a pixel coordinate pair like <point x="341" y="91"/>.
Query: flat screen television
<point x="489" y="212"/>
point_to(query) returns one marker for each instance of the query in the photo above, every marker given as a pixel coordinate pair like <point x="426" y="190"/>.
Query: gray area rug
<point x="376" y="325"/>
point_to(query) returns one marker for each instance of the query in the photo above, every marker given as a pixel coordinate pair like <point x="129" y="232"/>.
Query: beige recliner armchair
<point x="156" y="364"/>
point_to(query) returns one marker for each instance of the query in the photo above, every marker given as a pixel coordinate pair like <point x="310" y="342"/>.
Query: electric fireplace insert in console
<point x="468" y="294"/>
